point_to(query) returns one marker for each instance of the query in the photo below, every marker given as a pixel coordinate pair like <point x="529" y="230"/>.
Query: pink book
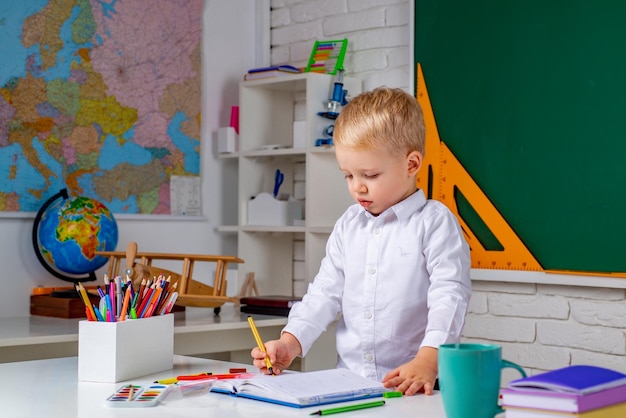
<point x="561" y="401"/>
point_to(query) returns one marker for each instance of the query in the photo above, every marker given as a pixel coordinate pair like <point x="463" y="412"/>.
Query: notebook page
<point x="311" y="387"/>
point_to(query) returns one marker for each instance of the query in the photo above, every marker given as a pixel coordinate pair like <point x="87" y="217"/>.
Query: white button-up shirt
<point x="399" y="281"/>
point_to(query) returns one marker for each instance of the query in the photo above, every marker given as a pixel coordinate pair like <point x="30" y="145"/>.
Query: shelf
<point x="274" y="152"/>
<point x="278" y="152"/>
<point x="272" y="229"/>
<point x="268" y="109"/>
<point x="228" y="155"/>
<point x="323" y="150"/>
<point x="286" y="82"/>
<point x="267" y="228"/>
<point x="228" y="228"/>
<point x="321" y="229"/>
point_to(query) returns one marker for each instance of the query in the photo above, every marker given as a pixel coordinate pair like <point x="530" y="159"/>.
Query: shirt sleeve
<point x="448" y="264"/>
<point x="321" y="305"/>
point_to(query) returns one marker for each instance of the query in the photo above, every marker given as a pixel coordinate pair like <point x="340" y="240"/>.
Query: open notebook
<point x="305" y="389"/>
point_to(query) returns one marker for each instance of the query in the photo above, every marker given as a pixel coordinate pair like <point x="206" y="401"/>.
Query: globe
<point x="68" y="231"/>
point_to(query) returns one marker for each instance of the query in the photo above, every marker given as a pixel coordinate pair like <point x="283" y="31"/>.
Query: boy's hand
<point x="418" y="374"/>
<point x="281" y="353"/>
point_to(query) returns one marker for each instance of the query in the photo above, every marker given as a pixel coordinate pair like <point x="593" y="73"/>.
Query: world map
<point x="102" y="97"/>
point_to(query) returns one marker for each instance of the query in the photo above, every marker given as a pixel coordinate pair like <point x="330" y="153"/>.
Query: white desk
<point x="51" y="388"/>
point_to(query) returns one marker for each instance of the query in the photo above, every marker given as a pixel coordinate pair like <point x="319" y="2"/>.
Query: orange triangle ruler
<point x="442" y="173"/>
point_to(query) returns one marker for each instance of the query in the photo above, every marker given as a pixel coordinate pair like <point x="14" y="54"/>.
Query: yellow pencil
<point x="259" y="342"/>
<point x="85" y="298"/>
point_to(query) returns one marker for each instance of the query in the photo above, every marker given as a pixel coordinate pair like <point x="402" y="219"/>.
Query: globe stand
<point x="62" y="302"/>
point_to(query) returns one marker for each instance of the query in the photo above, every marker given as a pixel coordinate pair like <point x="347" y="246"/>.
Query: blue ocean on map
<point x="10" y="36"/>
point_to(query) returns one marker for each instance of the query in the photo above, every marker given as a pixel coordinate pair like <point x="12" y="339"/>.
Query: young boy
<point x="396" y="265"/>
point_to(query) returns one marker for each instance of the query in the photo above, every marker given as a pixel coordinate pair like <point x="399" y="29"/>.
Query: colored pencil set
<point x="119" y="300"/>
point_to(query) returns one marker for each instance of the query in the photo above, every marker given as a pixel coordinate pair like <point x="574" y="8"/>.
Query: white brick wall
<point x="543" y="327"/>
<point x="378" y="33"/>
<point x="540" y="327"/>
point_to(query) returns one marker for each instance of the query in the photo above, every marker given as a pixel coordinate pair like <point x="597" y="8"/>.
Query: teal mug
<point x="469" y="379"/>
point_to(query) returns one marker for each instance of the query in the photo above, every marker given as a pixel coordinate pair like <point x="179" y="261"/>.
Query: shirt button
<point x="371" y="270"/>
<point x="376" y="231"/>
<point x="368" y="357"/>
<point x="368" y="315"/>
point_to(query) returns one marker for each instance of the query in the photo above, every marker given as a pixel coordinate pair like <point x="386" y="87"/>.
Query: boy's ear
<point x="414" y="161"/>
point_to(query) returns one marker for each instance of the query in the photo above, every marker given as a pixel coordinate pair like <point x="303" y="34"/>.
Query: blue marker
<point x="279" y="177"/>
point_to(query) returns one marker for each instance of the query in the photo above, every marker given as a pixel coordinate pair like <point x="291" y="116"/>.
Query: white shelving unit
<point x="268" y="108"/>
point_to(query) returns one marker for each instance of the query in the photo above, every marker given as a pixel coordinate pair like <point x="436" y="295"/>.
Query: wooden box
<point x="59" y="307"/>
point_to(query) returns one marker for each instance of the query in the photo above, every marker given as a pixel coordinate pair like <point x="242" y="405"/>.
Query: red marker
<point x="208" y="376"/>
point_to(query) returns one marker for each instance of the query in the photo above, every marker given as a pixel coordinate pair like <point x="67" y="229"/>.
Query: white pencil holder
<point x="116" y="351"/>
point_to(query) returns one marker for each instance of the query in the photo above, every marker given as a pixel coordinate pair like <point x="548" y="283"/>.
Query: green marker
<point x="394" y="394"/>
<point x="348" y="408"/>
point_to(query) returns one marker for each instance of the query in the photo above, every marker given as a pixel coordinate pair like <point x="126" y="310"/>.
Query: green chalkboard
<point x="531" y="98"/>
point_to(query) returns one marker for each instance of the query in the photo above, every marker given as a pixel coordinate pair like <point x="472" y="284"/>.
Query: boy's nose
<point x="360" y="188"/>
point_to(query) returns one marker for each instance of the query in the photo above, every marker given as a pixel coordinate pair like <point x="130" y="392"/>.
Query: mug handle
<point x="509" y="364"/>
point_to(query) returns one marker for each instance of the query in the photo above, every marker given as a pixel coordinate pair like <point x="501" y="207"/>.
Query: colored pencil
<point x="125" y="305"/>
<point x="83" y="294"/>
<point x="259" y="342"/>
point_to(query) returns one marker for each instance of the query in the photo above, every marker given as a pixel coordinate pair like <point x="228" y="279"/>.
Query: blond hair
<point x="385" y="119"/>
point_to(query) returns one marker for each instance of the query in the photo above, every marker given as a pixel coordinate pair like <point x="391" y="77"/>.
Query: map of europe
<point x="102" y="97"/>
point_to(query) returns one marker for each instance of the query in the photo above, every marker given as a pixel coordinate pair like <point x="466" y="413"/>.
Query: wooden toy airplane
<point x="190" y="292"/>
